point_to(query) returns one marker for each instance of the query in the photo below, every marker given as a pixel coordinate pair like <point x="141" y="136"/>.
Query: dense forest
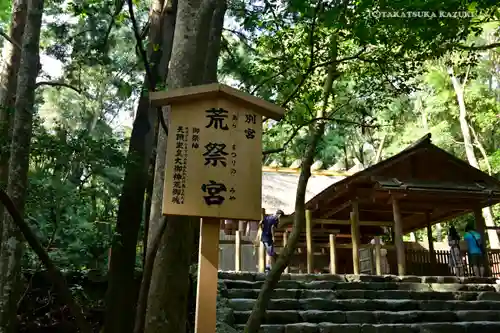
<point x="82" y="152"/>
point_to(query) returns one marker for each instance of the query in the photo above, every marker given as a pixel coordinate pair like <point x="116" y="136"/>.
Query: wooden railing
<point x="418" y="263"/>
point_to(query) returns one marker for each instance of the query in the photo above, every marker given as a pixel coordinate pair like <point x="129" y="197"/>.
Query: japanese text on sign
<point x="250" y="119"/>
<point x="213" y="190"/>
<point x="180" y="163"/>
<point x="195" y="138"/>
<point x="217" y="118"/>
<point x="214" y="153"/>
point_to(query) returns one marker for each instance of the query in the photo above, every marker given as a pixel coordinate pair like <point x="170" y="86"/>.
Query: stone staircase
<point x="366" y="304"/>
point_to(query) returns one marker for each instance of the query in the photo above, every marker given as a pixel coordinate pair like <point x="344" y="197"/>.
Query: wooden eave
<point x="216" y="90"/>
<point x="432" y="195"/>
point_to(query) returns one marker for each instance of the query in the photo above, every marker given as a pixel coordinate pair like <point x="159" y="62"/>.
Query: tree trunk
<point x="469" y="151"/>
<point x="120" y="306"/>
<point x="379" y="150"/>
<point x="152" y="199"/>
<point x="169" y="289"/>
<point x="19" y="164"/>
<point x="9" y="67"/>
<point x="482" y="150"/>
<point x="210" y="76"/>
<point x="258" y="311"/>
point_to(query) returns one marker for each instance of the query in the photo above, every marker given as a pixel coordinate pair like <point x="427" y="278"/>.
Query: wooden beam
<point x="326" y="245"/>
<point x="206" y="295"/>
<point x="314" y="173"/>
<point x="333" y="255"/>
<point x="237" y="251"/>
<point x="338" y="208"/>
<point x="355" y="237"/>
<point x="232" y="241"/>
<point x="285" y="241"/>
<point x="288" y="220"/>
<point x="310" y="257"/>
<point x="430" y="239"/>
<point x="361" y="223"/>
<point x="438" y="197"/>
<point x="378" y="256"/>
<point x="417" y="222"/>
<point x="398" y="238"/>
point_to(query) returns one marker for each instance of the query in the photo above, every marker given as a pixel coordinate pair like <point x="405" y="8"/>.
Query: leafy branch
<point x="54" y="273"/>
<point x="57" y="84"/>
<point x="310" y="67"/>
<point x="149" y="76"/>
<point x="140" y="46"/>
<point x="479" y="47"/>
<point x="307" y="123"/>
<point x="13" y="42"/>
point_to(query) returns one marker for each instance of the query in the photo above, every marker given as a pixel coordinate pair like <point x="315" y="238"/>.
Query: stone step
<point x="367" y="294"/>
<point x="331" y="285"/>
<point x="239" y="304"/>
<point x="284" y="317"/>
<point x="438" y="327"/>
<point x="252" y="276"/>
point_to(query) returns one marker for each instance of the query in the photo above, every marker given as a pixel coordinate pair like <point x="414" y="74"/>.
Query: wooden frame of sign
<point x="213" y="170"/>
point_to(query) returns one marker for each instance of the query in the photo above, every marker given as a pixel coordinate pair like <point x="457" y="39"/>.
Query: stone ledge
<point x="441" y="327"/>
<point x="253" y="276"/>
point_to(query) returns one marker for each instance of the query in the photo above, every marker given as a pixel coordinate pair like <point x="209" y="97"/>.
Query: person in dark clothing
<point x="266" y="235"/>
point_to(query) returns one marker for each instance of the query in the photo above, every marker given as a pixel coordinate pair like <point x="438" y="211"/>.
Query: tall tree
<point x="120" y="306"/>
<point x="9" y="67"/>
<point x="459" y="88"/>
<point x="194" y="61"/>
<point x="19" y="163"/>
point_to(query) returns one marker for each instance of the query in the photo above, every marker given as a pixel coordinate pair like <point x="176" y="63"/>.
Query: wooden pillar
<point x="398" y="238"/>
<point x="237" y="251"/>
<point x="481" y="229"/>
<point x="378" y="256"/>
<point x="432" y="253"/>
<point x="355" y="237"/>
<point x="262" y="250"/>
<point x="285" y="241"/>
<point x="206" y="295"/>
<point x="480" y="223"/>
<point x="310" y="253"/>
<point x="333" y="255"/>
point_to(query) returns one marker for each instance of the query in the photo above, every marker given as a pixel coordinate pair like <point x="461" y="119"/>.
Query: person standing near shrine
<point x="455" y="261"/>
<point x="266" y="235"/>
<point x="475" y="248"/>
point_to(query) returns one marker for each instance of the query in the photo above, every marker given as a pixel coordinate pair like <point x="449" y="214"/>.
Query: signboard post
<point x="213" y="170"/>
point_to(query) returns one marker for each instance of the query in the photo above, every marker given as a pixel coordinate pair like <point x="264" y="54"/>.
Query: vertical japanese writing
<point x="233" y="171"/>
<point x="235" y="120"/>
<point x="179" y="168"/>
<point x="184" y="171"/>
<point x="195" y="138"/>
<point x="233" y="161"/>
<point x="250" y="119"/>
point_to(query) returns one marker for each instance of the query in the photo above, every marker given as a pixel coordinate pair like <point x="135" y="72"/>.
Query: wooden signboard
<point x="214" y="152"/>
<point x="213" y="170"/>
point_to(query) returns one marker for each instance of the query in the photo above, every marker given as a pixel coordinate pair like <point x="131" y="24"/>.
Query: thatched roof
<point x="279" y="189"/>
